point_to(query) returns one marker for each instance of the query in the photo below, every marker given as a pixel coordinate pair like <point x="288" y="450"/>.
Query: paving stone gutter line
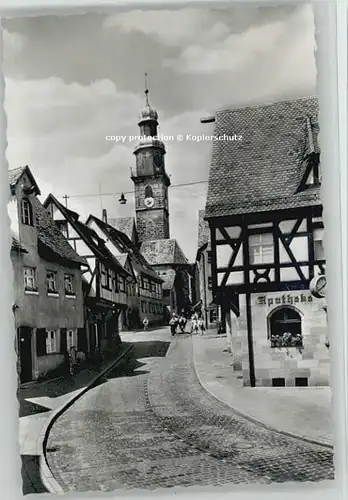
<point x="47" y="478"/>
<point x="255" y="420"/>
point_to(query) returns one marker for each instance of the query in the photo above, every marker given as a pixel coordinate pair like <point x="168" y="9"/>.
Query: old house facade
<point x="211" y="312"/>
<point x="265" y="217"/>
<point x="48" y="299"/>
<point x="105" y="281"/>
<point x="145" y="297"/>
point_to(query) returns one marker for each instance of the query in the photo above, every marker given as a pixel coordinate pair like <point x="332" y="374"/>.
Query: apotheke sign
<point x="284" y="299"/>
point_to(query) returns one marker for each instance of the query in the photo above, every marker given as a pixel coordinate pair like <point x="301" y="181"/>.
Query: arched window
<point x="285" y="328"/>
<point x="148" y="192"/>
<point x="26" y="212"/>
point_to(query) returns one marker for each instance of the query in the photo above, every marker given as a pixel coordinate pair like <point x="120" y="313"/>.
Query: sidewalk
<point x="38" y="401"/>
<point x="301" y="411"/>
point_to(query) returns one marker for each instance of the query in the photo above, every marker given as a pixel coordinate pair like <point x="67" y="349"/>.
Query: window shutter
<point x="81" y="340"/>
<point x="41" y="341"/>
<point x="63" y="343"/>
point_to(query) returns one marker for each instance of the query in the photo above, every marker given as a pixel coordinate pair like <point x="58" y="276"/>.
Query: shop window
<point x="27" y="212"/>
<point x="285" y="328"/>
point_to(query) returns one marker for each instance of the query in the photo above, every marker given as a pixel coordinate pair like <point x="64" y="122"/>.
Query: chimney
<point x="104" y="216"/>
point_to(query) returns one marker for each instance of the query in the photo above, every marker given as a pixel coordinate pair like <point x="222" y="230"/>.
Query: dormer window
<point x="26" y="212"/>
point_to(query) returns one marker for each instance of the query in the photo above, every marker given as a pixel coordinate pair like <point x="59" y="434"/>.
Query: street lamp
<point x="122" y="200"/>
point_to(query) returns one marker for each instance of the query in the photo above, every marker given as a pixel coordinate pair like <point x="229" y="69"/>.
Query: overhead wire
<point x="87" y="195"/>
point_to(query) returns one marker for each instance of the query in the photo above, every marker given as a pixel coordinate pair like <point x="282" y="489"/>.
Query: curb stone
<point x="255" y="420"/>
<point x="47" y="478"/>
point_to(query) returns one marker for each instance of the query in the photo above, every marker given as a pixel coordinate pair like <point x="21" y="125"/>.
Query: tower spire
<point x="146" y="91"/>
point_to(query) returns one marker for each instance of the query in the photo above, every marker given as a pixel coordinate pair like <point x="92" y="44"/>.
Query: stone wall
<point x="312" y="362"/>
<point x="152" y="225"/>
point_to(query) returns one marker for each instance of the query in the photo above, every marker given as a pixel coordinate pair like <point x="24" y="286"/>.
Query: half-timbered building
<point x="105" y="281"/>
<point x="210" y="311"/>
<point x="145" y="297"/>
<point x="265" y="216"/>
<point x="48" y="298"/>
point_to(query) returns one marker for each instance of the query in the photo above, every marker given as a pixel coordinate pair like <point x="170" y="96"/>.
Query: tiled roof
<point x="262" y="171"/>
<point x="203" y="230"/>
<point x="90" y="237"/>
<point x="160" y="252"/>
<point x="14" y="174"/>
<point x="51" y="237"/>
<point x="123" y="242"/>
<point x="168" y="278"/>
<point x="123" y="224"/>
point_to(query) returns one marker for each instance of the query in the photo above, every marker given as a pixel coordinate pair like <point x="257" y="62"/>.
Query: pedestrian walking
<point x="146" y="324"/>
<point x="182" y="323"/>
<point x="194" y="325"/>
<point x="72" y="360"/>
<point x="173" y="323"/>
<point x="201" y="326"/>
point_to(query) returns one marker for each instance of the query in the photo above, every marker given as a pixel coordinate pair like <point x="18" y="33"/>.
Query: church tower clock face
<point x="149" y="202"/>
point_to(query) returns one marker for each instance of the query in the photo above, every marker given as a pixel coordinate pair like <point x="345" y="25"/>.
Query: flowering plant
<point x="286" y="339"/>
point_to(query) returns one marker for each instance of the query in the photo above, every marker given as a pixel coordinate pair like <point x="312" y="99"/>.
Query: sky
<point x="73" y="80"/>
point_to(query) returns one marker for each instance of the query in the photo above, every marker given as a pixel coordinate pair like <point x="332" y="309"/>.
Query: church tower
<point x="150" y="179"/>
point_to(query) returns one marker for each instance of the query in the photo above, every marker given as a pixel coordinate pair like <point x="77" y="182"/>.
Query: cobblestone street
<point x="156" y="427"/>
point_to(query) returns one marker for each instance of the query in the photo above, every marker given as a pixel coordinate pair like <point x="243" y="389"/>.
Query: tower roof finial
<point x="146" y="91"/>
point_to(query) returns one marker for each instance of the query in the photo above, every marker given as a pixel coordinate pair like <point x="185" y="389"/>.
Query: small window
<point x="121" y="284"/>
<point x="278" y="382"/>
<point x="261" y="248"/>
<point x="71" y="338"/>
<point x="105" y="276"/>
<point x="209" y="257"/>
<point x="51" y="342"/>
<point x="148" y="192"/>
<point x="69" y="284"/>
<point x="63" y="227"/>
<point x="301" y="382"/>
<point x="318" y="237"/>
<point x="27" y="212"/>
<point x="30" y="279"/>
<point x="51" y="278"/>
<point x="210" y="282"/>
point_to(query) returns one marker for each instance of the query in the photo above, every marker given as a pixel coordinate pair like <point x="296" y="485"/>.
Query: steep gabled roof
<point x="124" y="225"/>
<point x="122" y="241"/>
<point x="51" y="237"/>
<point x="14" y="174"/>
<point x="263" y="170"/>
<point x="159" y="252"/>
<point x="90" y="237"/>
